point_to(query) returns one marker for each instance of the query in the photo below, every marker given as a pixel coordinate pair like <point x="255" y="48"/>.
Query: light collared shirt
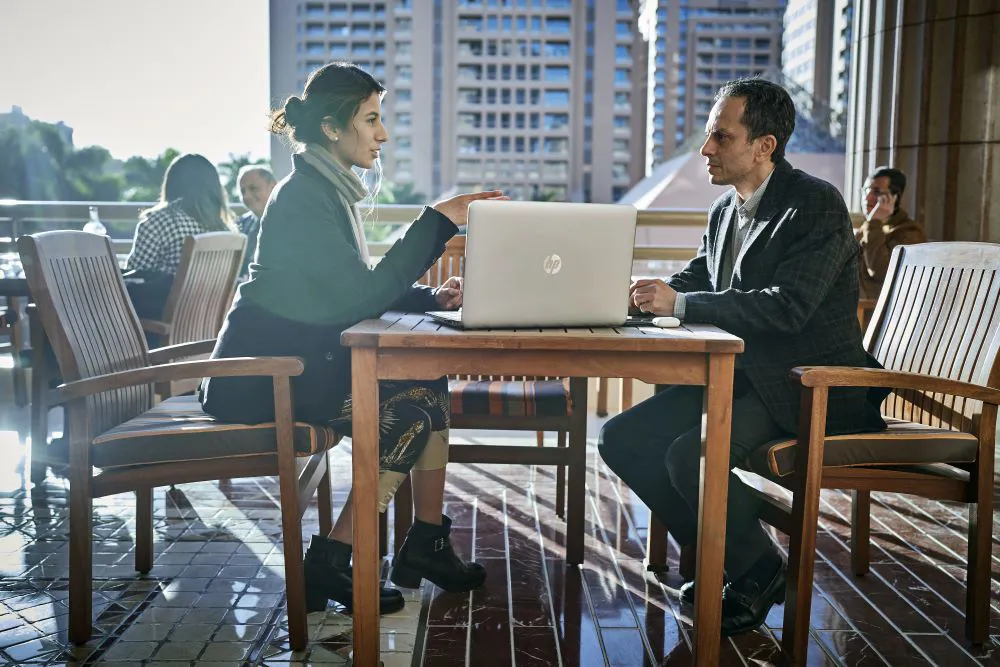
<point x="745" y="212"/>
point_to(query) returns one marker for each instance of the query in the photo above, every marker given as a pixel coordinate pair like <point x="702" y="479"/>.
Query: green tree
<point x="230" y="170"/>
<point x="542" y="195"/>
<point x="38" y="161"/>
<point x="144" y="176"/>
<point x="400" y="193"/>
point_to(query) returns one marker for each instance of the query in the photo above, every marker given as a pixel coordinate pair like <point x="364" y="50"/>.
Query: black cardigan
<point x="307" y="286"/>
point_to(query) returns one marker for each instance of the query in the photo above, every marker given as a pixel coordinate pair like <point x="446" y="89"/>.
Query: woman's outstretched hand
<point x="457" y="208"/>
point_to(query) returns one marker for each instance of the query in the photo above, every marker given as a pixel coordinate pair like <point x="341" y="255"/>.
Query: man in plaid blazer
<point x="777" y="266"/>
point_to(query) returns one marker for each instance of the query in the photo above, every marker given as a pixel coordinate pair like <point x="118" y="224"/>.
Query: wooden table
<point x="414" y="347"/>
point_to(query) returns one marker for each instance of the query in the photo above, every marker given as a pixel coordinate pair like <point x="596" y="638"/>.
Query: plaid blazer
<point x="794" y="293"/>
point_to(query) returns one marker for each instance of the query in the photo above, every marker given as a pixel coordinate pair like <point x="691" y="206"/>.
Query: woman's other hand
<point x="449" y="295"/>
<point x="457" y="208"/>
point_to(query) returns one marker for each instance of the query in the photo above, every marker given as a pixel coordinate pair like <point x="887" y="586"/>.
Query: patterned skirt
<point x="413" y="430"/>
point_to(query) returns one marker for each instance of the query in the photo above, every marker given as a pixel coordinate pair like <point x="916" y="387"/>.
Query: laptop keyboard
<point x="450" y="315"/>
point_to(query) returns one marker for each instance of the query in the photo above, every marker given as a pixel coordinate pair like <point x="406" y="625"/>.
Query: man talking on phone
<point x="886" y="226"/>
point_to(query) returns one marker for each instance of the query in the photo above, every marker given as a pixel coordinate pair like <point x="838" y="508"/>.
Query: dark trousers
<point x="655" y="448"/>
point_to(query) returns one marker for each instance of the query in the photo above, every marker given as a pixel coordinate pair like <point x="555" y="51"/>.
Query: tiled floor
<point x="215" y="597"/>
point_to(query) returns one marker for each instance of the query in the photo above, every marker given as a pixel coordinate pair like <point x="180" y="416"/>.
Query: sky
<point x="139" y="76"/>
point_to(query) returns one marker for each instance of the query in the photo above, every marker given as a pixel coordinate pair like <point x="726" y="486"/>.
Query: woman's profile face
<point x="359" y="144"/>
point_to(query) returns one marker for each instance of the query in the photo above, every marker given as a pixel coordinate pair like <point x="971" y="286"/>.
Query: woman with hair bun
<point x="311" y="280"/>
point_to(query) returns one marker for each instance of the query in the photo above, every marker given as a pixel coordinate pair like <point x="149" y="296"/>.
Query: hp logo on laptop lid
<point x="552" y="264"/>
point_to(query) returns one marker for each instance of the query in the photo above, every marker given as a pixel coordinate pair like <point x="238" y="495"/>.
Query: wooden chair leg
<point x="576" y="483"/>
<point x="561" y="479"/>
<point x="602" y="397"/>
<point x="688" y="562"/>
<point x="807" y="485"/>
<point x="977" y="595"/>
<point x="383" y="533"/>
<point x="628" y="385"/>
<point x="291" y="517"/>
<point x="656" y="546"/>
<point x="144" y="530"/>
<point x="402" y="514"/>
<point x="540" y="438"/>
<point x="81" y="555"/>
<point x="324" y="499"/>
<point x="861" y="503"/>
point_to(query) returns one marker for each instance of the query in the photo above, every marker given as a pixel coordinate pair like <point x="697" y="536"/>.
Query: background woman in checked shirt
<point x="192" y="201"/>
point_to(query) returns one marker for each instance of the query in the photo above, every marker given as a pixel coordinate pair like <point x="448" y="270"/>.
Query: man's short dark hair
<point x="897" y="179"/>
<point x="769" y="110"/>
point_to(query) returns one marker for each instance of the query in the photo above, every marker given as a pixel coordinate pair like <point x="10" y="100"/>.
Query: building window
<point x="556" y="98"/>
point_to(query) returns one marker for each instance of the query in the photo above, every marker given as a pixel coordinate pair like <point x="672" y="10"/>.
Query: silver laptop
<point x="545" y="264"/>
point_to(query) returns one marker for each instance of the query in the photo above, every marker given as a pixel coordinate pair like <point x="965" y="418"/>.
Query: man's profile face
<point x="729" y="155"/>
<point x="254" y="191"/>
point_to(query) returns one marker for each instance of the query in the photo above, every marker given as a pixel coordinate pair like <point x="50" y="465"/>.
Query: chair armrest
<point x="156" y="327"/>
<point x="846" y="376"/>
<point x="183" y="370"/>
<point x="168" y="353"/>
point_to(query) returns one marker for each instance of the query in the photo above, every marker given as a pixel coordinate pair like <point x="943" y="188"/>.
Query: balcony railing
<point x="27" y="217"/>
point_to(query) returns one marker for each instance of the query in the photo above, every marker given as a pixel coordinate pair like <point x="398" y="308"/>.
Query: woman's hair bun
<point x="295" y="109"/>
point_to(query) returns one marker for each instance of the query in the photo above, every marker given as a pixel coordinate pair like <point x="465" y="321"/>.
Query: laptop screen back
<point x="541" y="264"/>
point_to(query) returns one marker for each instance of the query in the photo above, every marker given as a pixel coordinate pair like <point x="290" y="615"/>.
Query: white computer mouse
<point x="666" y="322"/>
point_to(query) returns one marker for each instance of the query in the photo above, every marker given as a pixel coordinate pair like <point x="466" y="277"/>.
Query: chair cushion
<point x="903" y="443"/>
<point x="179" y="430"/>
<point x="522" y="398"/>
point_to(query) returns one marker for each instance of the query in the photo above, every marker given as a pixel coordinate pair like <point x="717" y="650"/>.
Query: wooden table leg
<point x="712" y="509"/>
<point x="364" y="388"/>
<point x="577" y="487"/>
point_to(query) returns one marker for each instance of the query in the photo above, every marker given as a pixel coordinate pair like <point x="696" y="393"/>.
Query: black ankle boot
<point x="328" y="577"/>
<point x="427" y="554"/>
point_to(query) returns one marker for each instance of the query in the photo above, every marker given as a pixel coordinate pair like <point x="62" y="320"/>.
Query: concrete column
<point x="925" y="98"/>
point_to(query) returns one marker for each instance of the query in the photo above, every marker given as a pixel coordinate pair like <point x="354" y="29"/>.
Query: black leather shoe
<point x="329" y="577"/>
<point x="427" y="554"/>
<point x="686" y="591"/>
<point x="747" y="601"/>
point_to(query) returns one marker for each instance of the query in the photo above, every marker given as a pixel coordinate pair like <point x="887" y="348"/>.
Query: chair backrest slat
<point x="203" y="288"/>
<point x="938" y="315"/>
<point x="88" y="317"/>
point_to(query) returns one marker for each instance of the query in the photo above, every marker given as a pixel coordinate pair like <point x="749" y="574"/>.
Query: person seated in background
<point x="886" y="226"/>
<point x="256" y="183"/>
<point x="192" y="201"/>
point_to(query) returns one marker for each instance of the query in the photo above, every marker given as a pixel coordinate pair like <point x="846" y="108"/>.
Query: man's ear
<point x="767" y="145"/>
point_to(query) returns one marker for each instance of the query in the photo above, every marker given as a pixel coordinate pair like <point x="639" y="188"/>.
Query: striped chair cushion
<point x="903" y="443"/>
<point x="179" y="430"/>
<point x="524" y="398"/>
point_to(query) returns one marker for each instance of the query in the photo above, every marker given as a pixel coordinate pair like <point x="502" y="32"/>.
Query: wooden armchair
<point x="936" y="330"/>
<point x="513" y="403"/>
<point x="200" y="296"/>
<point x="199" y="299"/>
<point x="118" y="441"/>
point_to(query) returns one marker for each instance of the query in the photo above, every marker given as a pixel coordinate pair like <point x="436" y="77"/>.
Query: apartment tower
<point x="699" y="45"/>
<point x="546" y="99"/>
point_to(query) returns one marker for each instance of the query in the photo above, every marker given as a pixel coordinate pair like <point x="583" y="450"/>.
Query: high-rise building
<point x="807" y="54"/>
<point x="840" y="71"/>
<point x="543" y="98"/>
<point x="701" y="44"/>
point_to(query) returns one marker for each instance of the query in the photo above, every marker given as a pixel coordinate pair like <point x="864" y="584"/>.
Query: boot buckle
<point x="440" y="544"/>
